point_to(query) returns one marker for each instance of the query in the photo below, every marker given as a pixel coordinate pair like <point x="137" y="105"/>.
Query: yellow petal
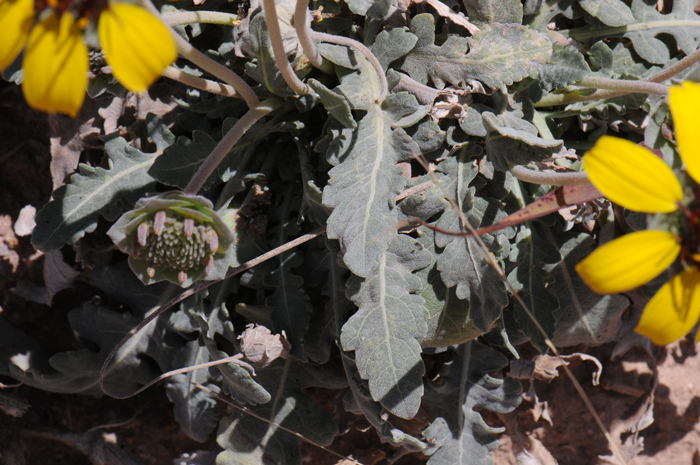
<point x="137" y="45"/>
<point x="685" y="102"/>
<point x="674" y="310"/>
<point x="16" y="17"/>
<point x="629" y="261"/>
<point x="55" y="66"/>
<point x="632" y="176"/>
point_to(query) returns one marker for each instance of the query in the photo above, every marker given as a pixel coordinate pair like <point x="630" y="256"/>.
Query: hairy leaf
<point x="92" y="192"/>
<point x="494" y="11"/>
<point x="531" y="280"/>
<point x="513" y="141"/>
<point x="463" y="389"/>
<point x="248" y="440"/>
<point x="392" y="45"/>
<point x="499" y="54"/>
<point x="584" y="317"/>
<point x="609" y="12"/>
<point x="291" y="308"/>
<point x="385" y="331"/>
<point x="362" y="188"/>
<point x="195" y="410"/>
<point x="566" y="65"/>
<point x="682" y="23"/>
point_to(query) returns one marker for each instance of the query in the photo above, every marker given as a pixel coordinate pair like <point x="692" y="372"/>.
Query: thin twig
<point x="273" y="29"/>
<point x="229" y="140"/>
<point x="414" y="190"/>
<point x="549" y="177"/>
<point x="302" y="24"/>
<point x="200" y="83"/>
<point x="192" y="291"/>
<point x="340" y="40"/>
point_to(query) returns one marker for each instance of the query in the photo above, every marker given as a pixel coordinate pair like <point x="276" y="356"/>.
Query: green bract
<point x="174" y="236"/>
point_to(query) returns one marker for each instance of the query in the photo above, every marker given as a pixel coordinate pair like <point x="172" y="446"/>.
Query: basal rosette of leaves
<point x="174" y="237"/>
<point x="398" y="116"/>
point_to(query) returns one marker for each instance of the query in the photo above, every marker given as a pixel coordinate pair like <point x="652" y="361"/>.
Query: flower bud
<point x="174" y="236"/>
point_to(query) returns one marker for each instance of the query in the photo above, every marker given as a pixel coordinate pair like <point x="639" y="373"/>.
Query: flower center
<point x="85" y="10"/>
<point x="173" y="242"/>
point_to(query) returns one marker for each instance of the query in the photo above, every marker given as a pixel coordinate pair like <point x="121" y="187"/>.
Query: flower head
<point x="137" y="45"/>
<point x="176" y="237"/>
<point x="637" y="179"/>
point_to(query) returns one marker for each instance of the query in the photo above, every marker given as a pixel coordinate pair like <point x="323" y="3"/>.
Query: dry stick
<point x="245" y="409"/>
<point x="551" y="178"/>
<point x="483" y="251"/>
<point x="564" y="99"/>
<point x="192" y="291"/>
<point x="340" y="40"/>
<point x="226" y="144"/>
<point x="273" y="29"/>
<point x="302" y="24"/>
<point x="200" y="83"/>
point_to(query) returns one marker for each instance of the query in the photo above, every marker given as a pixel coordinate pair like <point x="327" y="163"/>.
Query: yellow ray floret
<point x="16" y="17"/>
<point x="632" y="176"/>
<point x="684" y="101"/>
<point x="674" y="310"/>
<point x="137" y="45"/>
<point x="629" y="261"/>
<point x="55" y="66"/>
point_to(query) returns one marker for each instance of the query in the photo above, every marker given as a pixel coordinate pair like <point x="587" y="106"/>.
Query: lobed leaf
<point x="92" y="192"/>
<point x="500" y="54"/>
<point x="390" y="321"/>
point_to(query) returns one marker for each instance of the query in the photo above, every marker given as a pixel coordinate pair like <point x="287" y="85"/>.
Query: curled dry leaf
<point x="261" y="347"/>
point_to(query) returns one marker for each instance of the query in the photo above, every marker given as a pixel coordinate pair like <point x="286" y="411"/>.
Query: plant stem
<point x="340" y="40"/>
<point x="549" y="177"/>
<point x="303" y="28"/>
<point x="565" y="99"/>
<point x="228" y="141"/>
<point x="628" y="86"/>
<point x="207" y="64"/>
<point x="208" y="17"/>
<point x="273" y="29"/>
<point x="200" y="83"/>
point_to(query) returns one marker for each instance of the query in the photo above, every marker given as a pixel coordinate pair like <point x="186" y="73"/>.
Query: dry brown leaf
<point x="546" y="366"/>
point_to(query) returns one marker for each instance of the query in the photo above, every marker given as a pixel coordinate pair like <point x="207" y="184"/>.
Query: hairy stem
<point x="207" y="64"/>
<point x="200" y="83"/>
<point x="549" y="177"/>
<point x="565" y="99"/>
<point x="340" y="40"/>
<point x="643" y="87"/>
<point x="204" y="17"/>
<point x="273" y="29"/>
<point x="303" y="28"/>
<point x="229" y="140"/>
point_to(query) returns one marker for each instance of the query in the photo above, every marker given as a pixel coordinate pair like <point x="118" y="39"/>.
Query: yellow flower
<point x="638" y="180"/>
<point x="137" y="46"/>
